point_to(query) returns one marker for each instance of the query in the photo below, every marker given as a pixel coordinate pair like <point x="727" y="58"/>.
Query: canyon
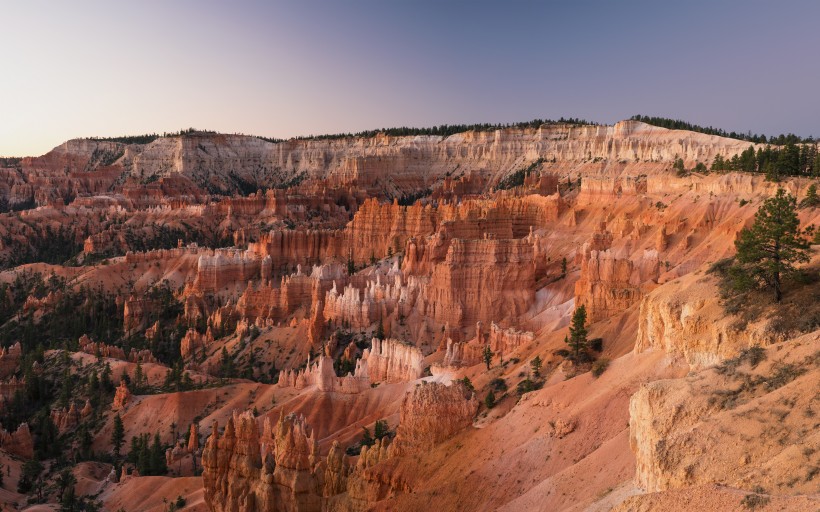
<point x="381" y="323"/>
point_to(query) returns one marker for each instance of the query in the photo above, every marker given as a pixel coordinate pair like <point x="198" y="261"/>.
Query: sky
<point x="288" y="68"/>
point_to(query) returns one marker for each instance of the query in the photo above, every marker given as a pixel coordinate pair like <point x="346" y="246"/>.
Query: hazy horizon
<point x="99" y="69"/>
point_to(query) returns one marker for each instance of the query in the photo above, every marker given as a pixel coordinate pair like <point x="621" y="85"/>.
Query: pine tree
<point x="367" y="439"/>
<point x="157" y="458"/>
<point x="811" y="200"/>
<point x="535" y="364"/>
<point x="380" y="330"/>
<point x="768" y="249"/>
<point x="117" y="436"/>
<point x="226" y="368"/>
<point x="563" y="267"/>
<point x="351" y="266"/>
<point x="381" y="429"/>
<point x="138" y="379"/>
<point x="489" y="400"/>
<point x="488" y="356"/>
<point x="577" y="340"/>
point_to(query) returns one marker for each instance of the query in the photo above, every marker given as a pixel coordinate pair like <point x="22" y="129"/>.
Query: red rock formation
<point x="121" y="397"/>
<point x="321" y="375"/>
<point x="432" y="413"/>
<point x="481" y="280"/>
<point x="276" y="471"/>
<point x="194" y="344"/>
<point x="9" y="360"/>
<point x="504" y="341"/>
<point x="19" y="442"/>
<point x="135" y="313"/>
<point x="193" y="438"/>
<point x="66" y="419"/>
<point x="390" y="361"/>
<point x="610" y="281"/>
<point x="87" y="409"/>
<point x="226" y="267"/>
<point x="100" y="349"/>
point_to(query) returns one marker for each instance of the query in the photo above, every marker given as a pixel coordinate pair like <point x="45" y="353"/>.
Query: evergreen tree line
<point x="677" y="124"/>
<point x="91" y="311"/>
<point x="49" y="245"/>
<point x="445" y="130"/>
<point x="148" y="456"/>
<point x="788" y="160"/>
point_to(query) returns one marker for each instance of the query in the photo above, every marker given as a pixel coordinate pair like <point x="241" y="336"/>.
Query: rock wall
<point x="390" y="360"/>
<point x="743" y="424"/>
<point x="481" y="280"/>
<point x="227" y="267"/>
<point x="685" y="318"/>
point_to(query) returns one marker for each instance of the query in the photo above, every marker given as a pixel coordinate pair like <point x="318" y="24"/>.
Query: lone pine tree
<point x="768" y="250"/>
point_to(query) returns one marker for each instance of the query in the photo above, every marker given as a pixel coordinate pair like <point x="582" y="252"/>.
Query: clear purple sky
<point x="73" y="69"/>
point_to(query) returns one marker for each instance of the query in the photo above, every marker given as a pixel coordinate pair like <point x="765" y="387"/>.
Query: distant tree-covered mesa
<point x="677" y="124"/>
<point x="443" y="130"/>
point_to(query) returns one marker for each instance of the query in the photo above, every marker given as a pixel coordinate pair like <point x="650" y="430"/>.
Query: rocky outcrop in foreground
<point x="748" y="422"/>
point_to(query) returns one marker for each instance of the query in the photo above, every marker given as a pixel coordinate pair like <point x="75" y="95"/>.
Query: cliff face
<point x="685" y="318"/>
<point x="481" y="280"/>
<point x="412" y="162"/>
<point x="610" y="281"/>
<point x="390" y="361"/>
<point x="741" y="423"/>
<point x="225" y="163"/>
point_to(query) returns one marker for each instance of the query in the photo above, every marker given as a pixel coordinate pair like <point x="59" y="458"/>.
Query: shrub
<point x="599" y="367"/>
<point x="527" y="385"/>
<point x="468" y="384"/>
<point x="498" y="384"/>
<point x="489" y="401"/>
<point x="597" y="344"/>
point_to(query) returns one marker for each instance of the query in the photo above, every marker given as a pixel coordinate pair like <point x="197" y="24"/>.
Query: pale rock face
<point x="684" y="318"/>
<point x="321" y="375"/>
<point x="198" y="162"/>
<point x="501" y="341"/>
<point x="504" y="341"/>
<point x="731" y="424"/>
<point x="610" y="280"/>
<point x="390" y="361"/>
<point x="225" y="268"/>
